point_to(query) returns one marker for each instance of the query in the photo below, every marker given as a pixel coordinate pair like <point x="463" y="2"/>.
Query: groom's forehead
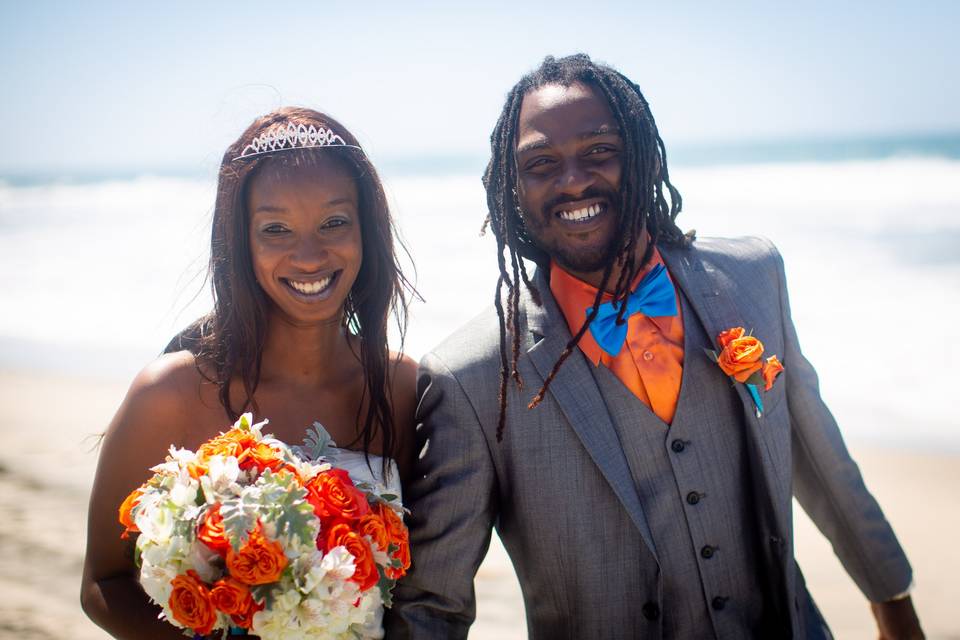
<point x="553" y="113"/>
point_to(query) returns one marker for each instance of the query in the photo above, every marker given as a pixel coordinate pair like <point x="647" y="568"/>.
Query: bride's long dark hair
<point x="228" y="342"/>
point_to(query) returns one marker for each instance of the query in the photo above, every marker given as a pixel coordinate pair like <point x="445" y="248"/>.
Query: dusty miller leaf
<point x="316" y="444"/>
<point x="283" y="503"/>
<point x="239" y="517"/>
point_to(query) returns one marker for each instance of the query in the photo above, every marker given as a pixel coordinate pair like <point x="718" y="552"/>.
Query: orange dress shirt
<point x="650" y="364"/>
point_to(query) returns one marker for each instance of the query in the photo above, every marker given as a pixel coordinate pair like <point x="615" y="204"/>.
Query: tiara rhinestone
<point x="292" y="137"/>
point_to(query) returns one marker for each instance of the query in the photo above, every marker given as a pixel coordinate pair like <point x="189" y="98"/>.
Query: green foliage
<point x="276" y="498"/>
<point x="756" y="379"/>
<point x="263" y="593"/>
<point x="239" y="517"/>
<point x="283" y="503"/>
<point x="316" y="444"/>
<point x="385" y="585"/>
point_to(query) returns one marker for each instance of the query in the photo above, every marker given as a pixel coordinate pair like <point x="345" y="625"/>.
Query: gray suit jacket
<point x="558" y="488"/>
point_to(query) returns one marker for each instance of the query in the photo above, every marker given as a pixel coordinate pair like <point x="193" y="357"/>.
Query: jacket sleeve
<point x="828" y="484"/>
<point x="452" y="502"/>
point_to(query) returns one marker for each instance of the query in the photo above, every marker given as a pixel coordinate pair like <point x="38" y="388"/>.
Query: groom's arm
<point x="452" y="500"/>
<point x="830" y="488"/>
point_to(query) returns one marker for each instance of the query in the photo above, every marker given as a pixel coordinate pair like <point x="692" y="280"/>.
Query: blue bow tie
<point x="653" y="297"/>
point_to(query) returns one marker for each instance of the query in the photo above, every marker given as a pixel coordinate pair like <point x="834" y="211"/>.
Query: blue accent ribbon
<point x="752" y="388"/>
<point x="653" y="297"/>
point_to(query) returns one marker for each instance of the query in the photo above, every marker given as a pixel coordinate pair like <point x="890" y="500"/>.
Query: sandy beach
<point x="48" y="459"/>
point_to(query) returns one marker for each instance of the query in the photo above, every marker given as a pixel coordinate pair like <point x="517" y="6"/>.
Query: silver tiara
<point x="293" y="137"/>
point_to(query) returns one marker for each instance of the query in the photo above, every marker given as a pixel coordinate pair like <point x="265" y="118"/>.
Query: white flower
<point x="221" y="479"/>
<point x="155" y="523"/>
<point x="181" y="456"/>
<point x="205" y="561"/>
<point x="380" y="556"/>
<point x="338" y="563"/>
<point x="306" y="469"/>
<point x="184" y="491"/>
<point x="255" y="429"/>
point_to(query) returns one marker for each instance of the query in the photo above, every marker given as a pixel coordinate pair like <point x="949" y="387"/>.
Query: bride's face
<point x="305" y="242"/>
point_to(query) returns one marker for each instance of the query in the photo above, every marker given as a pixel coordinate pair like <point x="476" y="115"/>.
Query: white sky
<point x="113" y="85"/>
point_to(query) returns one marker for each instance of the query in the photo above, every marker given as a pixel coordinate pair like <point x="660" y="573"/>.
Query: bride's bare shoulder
<point x="167" y="398"/>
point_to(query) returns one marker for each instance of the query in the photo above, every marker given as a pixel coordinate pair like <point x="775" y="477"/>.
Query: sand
<point x="47" y="464"/>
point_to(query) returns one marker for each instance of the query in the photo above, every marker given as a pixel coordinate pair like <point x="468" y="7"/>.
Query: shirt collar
<point x="574" y="297"/>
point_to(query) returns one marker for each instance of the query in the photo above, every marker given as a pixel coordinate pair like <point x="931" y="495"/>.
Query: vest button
<point x="678" y="446"/>
<point x="707" y="552"/>
<point x="651" y="611"/>
<point x="648" y="356"/>
<point x="718" y="603"/>
<point x="693" y="497"/>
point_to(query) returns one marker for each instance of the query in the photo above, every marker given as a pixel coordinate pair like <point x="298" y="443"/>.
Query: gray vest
<point x="693" y="479"/>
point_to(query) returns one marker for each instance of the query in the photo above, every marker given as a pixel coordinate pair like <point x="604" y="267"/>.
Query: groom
<point x="635" y="416"/>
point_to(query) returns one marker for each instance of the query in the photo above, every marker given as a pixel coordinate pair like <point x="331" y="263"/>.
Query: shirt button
<point x="693" y="497"/>
<point x="647" y="356"/>
<point x="707" y="552"/>
<point x="678" y="446"/>
<point x="718" y="603"/>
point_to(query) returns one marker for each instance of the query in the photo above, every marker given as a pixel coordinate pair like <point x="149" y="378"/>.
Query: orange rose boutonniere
<point x="740" y="358"/>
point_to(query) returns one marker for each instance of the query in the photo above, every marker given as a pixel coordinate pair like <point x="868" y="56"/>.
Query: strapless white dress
<point x="355" y="463"/>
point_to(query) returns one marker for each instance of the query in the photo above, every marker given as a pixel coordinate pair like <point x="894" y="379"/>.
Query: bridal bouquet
<point x="250" y="533"/>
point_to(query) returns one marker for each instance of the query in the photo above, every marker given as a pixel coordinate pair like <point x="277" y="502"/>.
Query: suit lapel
<point x="711" y="293"/>
<point x="577" y="395"/>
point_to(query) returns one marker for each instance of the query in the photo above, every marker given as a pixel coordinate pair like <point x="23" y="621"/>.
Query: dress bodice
<point x="355" y="463"/>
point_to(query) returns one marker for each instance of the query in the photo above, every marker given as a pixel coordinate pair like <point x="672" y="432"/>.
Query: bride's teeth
<point x="310" y="288"/>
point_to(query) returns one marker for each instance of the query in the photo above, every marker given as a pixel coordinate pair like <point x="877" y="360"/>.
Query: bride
<point x="305" y="280"/>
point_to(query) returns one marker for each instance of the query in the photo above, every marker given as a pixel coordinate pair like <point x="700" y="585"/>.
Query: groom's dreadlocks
<point x="644" y="207"/>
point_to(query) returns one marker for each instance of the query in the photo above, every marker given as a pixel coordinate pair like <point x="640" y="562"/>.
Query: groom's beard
<point x="578" y="259"/>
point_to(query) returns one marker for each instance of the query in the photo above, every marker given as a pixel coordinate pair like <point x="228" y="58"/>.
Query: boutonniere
<point x="741" y="358"/>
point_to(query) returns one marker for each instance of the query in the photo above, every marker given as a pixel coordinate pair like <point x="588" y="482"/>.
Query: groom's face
<point x="568" y="158"/>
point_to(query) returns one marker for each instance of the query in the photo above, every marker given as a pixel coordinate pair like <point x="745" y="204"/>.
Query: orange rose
<point x="334" y="496"/>
<point x="372" y="525"/>
<point x="190" y="603"/>
<point x="771" y="369"/>
<point x="259" y="560"/>
<point x="211" y="532"/>
<point x="262" y="456"/>
<point x="231" y="596"/>
<point x="400" y="537"/>
<point x="245" y="619"/>
<point x="729" y="335"/>
<point x="365" y="574"/>
<point x="125" y="512"/>
<point x="741" y="357"/>
<point x="403" y="555"/>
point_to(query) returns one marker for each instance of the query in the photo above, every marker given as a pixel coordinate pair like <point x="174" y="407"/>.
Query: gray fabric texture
<point x="561" y="493"/>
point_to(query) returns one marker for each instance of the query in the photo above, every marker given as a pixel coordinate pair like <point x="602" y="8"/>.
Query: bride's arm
<point x="137" y="438"/>
<point x="403" y="389"/>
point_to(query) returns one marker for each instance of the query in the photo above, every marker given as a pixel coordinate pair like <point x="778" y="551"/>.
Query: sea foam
<point x="872" y="251"/>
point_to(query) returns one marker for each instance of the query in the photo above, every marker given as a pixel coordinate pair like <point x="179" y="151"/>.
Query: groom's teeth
<point x="580" y="215"/>
<point x="310" y="288"/>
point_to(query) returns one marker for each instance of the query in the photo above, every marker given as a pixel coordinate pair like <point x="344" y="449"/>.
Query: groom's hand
<point x="897" y="620"/>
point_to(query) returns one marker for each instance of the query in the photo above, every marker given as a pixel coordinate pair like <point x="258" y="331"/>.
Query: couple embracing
<point x="633" y="416"/>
